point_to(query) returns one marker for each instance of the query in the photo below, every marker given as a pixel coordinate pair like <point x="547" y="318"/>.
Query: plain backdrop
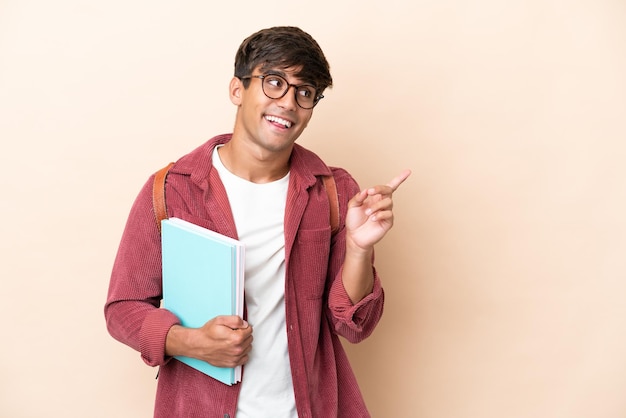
<point x="505" y="271"/>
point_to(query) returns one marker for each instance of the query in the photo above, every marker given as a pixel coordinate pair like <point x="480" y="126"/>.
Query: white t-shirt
<point x="259" y="211"/>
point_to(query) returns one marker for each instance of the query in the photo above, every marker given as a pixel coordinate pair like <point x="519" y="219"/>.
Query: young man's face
<point x="271" y="124"/>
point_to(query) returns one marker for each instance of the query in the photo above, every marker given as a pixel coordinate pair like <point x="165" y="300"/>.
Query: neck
<point x="256" y="167"/>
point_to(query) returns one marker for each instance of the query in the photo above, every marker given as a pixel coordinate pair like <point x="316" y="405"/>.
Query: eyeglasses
<point x="275" y="87"/>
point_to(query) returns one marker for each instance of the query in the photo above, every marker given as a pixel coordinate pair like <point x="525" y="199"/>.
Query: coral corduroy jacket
<point x="318" y="309"/>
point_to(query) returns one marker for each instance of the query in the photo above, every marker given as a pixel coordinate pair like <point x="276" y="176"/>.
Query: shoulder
<point x="308" y="163"/>
<point x="347" y="186"/>
<point x="305" y="160"/>
<point x="342" y="175"/>
<point x="197" y="163"/>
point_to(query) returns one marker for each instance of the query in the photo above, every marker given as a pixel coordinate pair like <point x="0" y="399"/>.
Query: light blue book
<point x="202" y="278"/>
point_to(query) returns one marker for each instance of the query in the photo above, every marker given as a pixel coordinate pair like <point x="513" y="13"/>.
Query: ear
<point x="235" y="89"/>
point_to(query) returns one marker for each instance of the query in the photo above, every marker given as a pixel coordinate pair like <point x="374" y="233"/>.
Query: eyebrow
<point x="275" y="72"/>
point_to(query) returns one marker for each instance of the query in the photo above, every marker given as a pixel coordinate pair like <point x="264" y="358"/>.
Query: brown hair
<point x="284" y="47"/>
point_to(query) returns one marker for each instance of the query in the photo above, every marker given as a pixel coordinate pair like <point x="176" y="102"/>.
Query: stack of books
<point x="203" y="277"/>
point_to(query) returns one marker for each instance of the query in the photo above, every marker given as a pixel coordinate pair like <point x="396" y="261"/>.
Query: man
<point x="304" y="286"/>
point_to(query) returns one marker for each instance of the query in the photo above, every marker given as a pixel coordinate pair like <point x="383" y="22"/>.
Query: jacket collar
<point x="305" y="165"/>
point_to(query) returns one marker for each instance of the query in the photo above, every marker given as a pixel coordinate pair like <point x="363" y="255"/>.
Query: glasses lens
<point x="275" y="87"/>
<point x="306" y="96"/>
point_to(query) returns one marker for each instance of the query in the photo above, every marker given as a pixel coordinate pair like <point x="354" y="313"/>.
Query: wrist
<point x="355" y="251"/>
<point x="177" y="341"/>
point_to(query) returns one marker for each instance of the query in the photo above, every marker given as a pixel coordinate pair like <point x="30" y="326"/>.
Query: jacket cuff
<point x="152" y="336"/>
<point x="355" y="315"/>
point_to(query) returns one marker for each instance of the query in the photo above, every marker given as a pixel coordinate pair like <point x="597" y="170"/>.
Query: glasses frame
<point x="289" y="86"/>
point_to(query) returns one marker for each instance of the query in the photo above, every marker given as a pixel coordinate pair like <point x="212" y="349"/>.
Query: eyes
<point x="275" y="87"/>
<point x="278" y="84"/>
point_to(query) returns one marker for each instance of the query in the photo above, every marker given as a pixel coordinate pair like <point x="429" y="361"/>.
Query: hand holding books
<point x="224" y="341"/>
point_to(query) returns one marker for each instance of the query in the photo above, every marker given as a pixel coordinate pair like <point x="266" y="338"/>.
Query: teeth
<point x="276" y="119"/>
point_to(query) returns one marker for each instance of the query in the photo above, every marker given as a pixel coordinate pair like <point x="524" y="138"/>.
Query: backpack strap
<point x="160" y="208"/>
<point x="333" y="201"/>
<point x="158" y="194"/>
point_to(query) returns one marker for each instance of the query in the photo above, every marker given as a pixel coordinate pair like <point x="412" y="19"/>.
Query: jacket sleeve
<point x="132" y="311"/>
<point x="355" y="322"/>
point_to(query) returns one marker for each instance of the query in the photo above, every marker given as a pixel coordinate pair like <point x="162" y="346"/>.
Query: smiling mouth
<point x="280" y="121"/>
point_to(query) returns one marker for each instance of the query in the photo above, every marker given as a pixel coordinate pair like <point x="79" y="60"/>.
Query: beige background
<point x="504" y="274"/>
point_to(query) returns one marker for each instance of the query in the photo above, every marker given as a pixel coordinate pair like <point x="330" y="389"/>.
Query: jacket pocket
<point x="310" y="261"/>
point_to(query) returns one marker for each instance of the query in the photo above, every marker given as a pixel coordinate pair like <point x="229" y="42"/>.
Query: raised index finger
<point x="398" y="180"/>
